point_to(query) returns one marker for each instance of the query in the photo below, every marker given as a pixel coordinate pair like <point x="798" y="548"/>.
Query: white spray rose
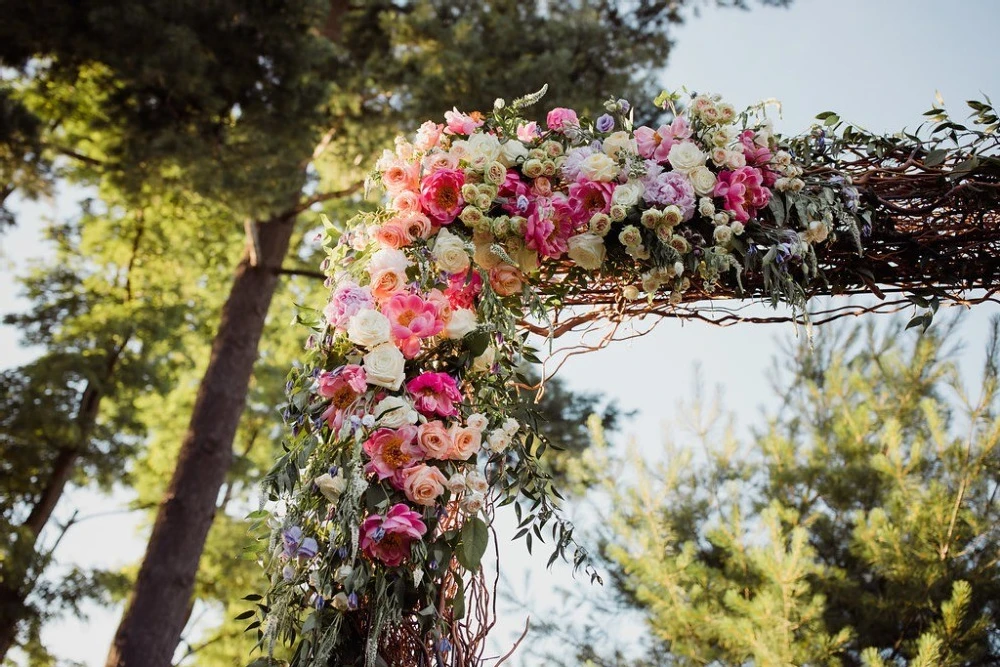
<point x="685" y="156"/>
<point x="368" y="328"/>
<point x="463" y="321"/>
<point x="456" y="483"/>
<point x="479" y="150"/>
<point x="476" y="481"/>
<point x="587" y="250"/>
<point x="473" y="503"/>
<point x="384" y="366"/>
<point x="476" y="421"/>
<point x="450" y="253"/>
<point x="394" y="412"/>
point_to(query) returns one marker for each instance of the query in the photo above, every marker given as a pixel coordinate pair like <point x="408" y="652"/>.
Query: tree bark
<point x="157" y="611"/>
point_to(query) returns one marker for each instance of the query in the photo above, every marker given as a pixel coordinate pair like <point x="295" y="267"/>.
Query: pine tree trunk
<point x="157" y="611"/>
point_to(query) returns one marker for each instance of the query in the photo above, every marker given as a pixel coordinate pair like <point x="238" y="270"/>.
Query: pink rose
<point x="466" y="442"/>
<point x="388" y="538"/>
<point x="411" y="319"/>
<point x="392" y="450"/>
<point x="441" y="195"/>
<point x="428" y="136"/>
<point x="393" y="235"/>
<point x="416" y="224"/>
<point x="434" y="439"/>
<point x="434" y="394"/>
<point x="743" y="191"/>
<point x="422" y="484"/>
<point x="399" y="175"/>
<point x="561" y="118"/>
<point x="387" y="283"/>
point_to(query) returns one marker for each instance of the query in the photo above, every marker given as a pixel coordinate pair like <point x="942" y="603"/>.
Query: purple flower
<point x="605" y="123"/>
<point x="295" y="546"/>
<point x="347" y="300"/>
<point x="668" y="188"/>
<point x="624" y="105"/>
<point x="352" y="601"/>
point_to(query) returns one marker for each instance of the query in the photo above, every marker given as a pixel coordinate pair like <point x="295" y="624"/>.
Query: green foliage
<point x="857" y="529"/>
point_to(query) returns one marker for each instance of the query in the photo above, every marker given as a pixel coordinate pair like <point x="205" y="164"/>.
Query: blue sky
<point x="876" y="62"/>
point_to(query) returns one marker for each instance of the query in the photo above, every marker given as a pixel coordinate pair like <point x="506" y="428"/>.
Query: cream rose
<point x="395" y="411"/>
<point x="587" y="250"/>
<point x="599" y="167"/>
<point x="685" y="156"/>
<point x="703" y="180"/>
<point x="384" y="366"/>
<point x="449" y="252"/>
<point x="512" y="151"/>
<point x="463" y="321"/>
<point x="476" y="481"/>
<point x="627" y="194"/>
<point x="368" y="328"/>
<point x="484" y="362"/>
<point x="473" y="503"/>
<point x="618" y="142"/>
<point x="476" y="421"/>
<point x="423" y="484"/>
<point x="331" y="487"/>
<point x="456" y="484"/>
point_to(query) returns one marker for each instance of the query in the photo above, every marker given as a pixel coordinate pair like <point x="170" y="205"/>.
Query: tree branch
<point x="308" y="273"/>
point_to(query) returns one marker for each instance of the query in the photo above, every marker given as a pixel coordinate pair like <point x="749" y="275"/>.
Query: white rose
<point x="387" y="259"/>
<point x="450" y="253"/>
<point x="703" y="180"/>
<point x="394" y="412"/>
<point x="599" y="167"/>
<point x="631" y="293"/>
<point x="618" y="142"/>
<point x="587" y="250"/>
<point x="512" y="151"/>
<point x="736" y="160"/>
<point x="331" y="487"/>
<point x="737" y="228"/>
<point x="463" y="321"/>
<point x="476" y="421"/>
<point x="456" y="483"/>
<point x="384" y="366"/>
<point x="479" y="150"/>
<point x="368" y="328"/>
<point x="685" y="156"/>
<point x="706" y="207"/>
<point x="476" y="481"/>
<point x="484" y="362"/>
<point x="473" y="503"/>
<point x="510" y="426"/>
<point x="723" y="234"/>
<point x="498" y="441"/>
<point x="627" y="194"/>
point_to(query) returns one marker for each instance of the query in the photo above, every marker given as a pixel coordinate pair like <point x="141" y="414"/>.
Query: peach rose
<point x="387" y="283"/>
<point x="416" y="224"/>
<point x="400" y="176"/>
<point x="406" y="201"/>
<point x="505" y="280"/>
<point x="465" y="442"/>
<point x="434" y="439"/>
<point x="422" y="484"/>
<point x="393" y="235"/>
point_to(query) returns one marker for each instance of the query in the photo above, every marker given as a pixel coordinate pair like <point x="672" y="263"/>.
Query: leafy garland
<point x="407" y="420"/>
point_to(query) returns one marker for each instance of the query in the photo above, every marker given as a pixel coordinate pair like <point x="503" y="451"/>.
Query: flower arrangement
<point x="407" y="427"/>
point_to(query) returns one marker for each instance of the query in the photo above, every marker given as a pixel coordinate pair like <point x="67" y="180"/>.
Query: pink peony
<point x="463" y="289"/>
<point x="550" y="225"/>
<point x="656" y="144"/>
<point x="344" y="385"/>
<point x="412" y="319"/>
<point x="434" y="394"/>
<point x="392" y="450"/>
<point x="528" y="132"/>
<point x="559" y="119"/>
<point x="665" y="188"/>
<point x="347" y="300"/>
<point x="460" y="123"/>
<point x="514" y="193"/>
<point x="743" y="191"/>
<point x="758" y="156"/>
<point x="441" y="195"/>
<point x="388" y="538"/>
<point x="588" y="198"/>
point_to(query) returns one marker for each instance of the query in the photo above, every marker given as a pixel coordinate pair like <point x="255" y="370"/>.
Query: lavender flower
<point x="295" y="546"/>
<point x="605" y="123"/>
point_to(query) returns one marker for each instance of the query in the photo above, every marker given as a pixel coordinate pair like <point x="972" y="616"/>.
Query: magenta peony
<point x="434" y="394"/>
<point x="743" y="191"/>
<point x="441" y="195"/>
<point x="412" y="319"/>
<point x="388" y="538"/>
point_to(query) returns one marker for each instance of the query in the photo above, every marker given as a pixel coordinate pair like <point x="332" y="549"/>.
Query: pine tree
<point x="858" y="528"/>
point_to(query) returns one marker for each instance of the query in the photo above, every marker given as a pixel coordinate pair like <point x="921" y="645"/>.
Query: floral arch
<point x="407" y="426"/>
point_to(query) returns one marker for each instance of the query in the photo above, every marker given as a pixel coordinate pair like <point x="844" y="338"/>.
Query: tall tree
<point x="136" y="100"/>
<point x="858" y="528"/>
